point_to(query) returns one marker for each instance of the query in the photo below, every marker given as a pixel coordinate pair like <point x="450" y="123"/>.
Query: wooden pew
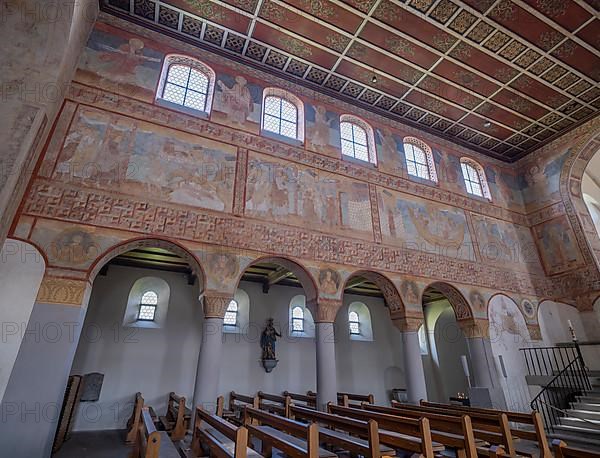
<point x="274" y="403"/>
<point x="527" y="442"/>
<point x="401" y="433"/>
<point x="150" y="443"/>
<point x="308" y="400"/>
<point x="136" y="415"/>
<point x="294" y="439"/>
<point x="561" y="450"/>
<point x="220" y="437"/>
<point x="356" y="436"/>
<point x="177" y="419"/>
<point x="451" y="431"/>
<point x="237" y="402"/>
<point x="345" y="398"/>
<point x="492" y="428"/>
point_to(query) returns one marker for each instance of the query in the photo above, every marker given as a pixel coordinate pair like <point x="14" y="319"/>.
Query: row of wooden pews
<point x="143" y="433"/>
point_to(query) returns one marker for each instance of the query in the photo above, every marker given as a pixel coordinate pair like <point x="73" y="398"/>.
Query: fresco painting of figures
<point x="419" y="224"/>
<point x="557" y="245"/>
<point x="322" y="130"/>
<point x="120" y="62"/>
<point x="302" y="196"/>
<point x="540" y="185"/>
<point x="237" y="103"/>
<point x="390" y="153"/>
<point x="504" y="188"/>
<point x="505" y="244"/>
<point x="114" y="152"/>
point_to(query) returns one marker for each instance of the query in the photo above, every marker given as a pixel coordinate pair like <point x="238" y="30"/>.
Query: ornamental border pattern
<point x="58" y="201"/>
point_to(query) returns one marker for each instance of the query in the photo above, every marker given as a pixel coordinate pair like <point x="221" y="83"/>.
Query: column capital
<point x="65" y="291"/>
<point x="407" y="322"/>
<point x="215" y="304"/>
<point x="324" y="310"/>
<point x="475" y="327"/>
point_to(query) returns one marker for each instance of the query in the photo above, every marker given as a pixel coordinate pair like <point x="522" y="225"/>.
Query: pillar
<point x="325" y="312"/>
<point x="211" y="351"/>
<point x="35" y="390"/>
<point x="416" y="388"/>
<point x="484" y="370"/>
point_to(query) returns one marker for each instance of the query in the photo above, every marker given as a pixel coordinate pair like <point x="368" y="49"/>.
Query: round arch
<point x="571" y="177"/>
<point x="460" y="305"/>
<point x="302" y="274"/>
<point x="519" y="307"/>
<point x="387" y="287"/>
<point x="154" y="242"/>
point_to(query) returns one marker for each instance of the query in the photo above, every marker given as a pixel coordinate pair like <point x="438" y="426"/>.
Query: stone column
<point x="416" y="389"/>
<point x="324" y="312"/>
<point x="211" y="352"/>
<point x="484" y="370"/>
<point x="35" y="390"/>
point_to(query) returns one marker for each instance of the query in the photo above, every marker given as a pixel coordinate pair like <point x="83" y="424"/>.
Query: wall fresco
<point x="506" y="244"/>
<point x="302" y="196"/>
<point x="105" y="150"/>
<point x="237" y="103"/>
<point x="540" y="181"/>
<point x="322" y="130"/>
<point x="424" y="225"/>
<point x="121" y="62"/>
<point x="557" y="245"/>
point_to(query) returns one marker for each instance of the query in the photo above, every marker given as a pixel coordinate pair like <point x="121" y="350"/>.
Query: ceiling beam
<point x="354" y="282"/>
<point x="281" y="273"/>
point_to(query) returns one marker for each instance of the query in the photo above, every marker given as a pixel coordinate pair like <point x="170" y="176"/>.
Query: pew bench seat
<point x="400" y="441"/>
<point x="265" y="431"/>
<point x="167" y="448"/>
<point x="228" y="444"/>
<point x="325" y="433"/>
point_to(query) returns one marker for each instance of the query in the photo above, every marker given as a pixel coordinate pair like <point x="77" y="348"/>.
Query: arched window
<point x="283" y="114"/>
<point x="357" y="139"/>
<point x="359" y="322"/>
<point x="419" y="159"/>
<point x="148" y="306"/>
<point x="187" y="83"/>
<point x="354" y="323"/>
<point x="474" y="177"/>
<point x="231" y="315"/>
<point x="297" y="319"/>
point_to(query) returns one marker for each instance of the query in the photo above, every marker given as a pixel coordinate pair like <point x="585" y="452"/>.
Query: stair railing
<point x="562" y="389"/>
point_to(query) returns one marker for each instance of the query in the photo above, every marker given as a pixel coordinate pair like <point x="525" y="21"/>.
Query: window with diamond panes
<point x="148" y="306"/>
<point x="354" y="323"/>
<point x="417" y="163"/>
<point x="474" y="178"/>
<point x="354" y="141"/>
<point x="297" y="319"/>
<point x="186" y="86"/>
<point x="231" y="314"/>
<point x="280" y="116"/>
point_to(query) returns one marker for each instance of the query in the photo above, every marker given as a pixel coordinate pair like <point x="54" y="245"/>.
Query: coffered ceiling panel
<point x="500" y="76"/>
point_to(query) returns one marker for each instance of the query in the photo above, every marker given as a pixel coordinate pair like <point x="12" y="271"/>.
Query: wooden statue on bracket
<point x="267" y="344"/>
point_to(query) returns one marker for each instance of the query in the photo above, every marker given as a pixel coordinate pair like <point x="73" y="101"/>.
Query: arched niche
<point x="391" y="295"/>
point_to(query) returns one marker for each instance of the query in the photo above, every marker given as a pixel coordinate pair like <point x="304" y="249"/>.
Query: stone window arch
<point x="474" y="178"/>
<point x="186" y="84"/>
<point x="358" y="139"/>
<point x="419" y="159"/>
<point x="359" y="322"/>
<point x="147" y="303"/>
<point x="282" y="114"/>
<point x="299" y="315"/>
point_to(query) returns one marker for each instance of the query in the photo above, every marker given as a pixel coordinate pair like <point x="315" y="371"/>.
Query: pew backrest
<point x="310" y="401"/>
<point x="345" y="398"/>
<point x="204" y="421"/>
<point x="177" y="418"/>
<point x="561" y="450"/>
<point x="275" y="403"/>
<point x="148" y="439"/>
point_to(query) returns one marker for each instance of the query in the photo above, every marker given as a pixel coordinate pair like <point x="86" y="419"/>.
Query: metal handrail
<point x="564" y="412"/>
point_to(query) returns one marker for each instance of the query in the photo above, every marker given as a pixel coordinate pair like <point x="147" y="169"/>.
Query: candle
<point x="570" y="324"/>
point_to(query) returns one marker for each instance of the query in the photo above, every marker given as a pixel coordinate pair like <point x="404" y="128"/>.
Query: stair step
<point x="586" y="433"/>
<point x="588" y="399"/>
<point x="576" y="441"/>
<point x="581" y="423"/>
<point x="582" y="413"/>
<point x="589" y="406"/>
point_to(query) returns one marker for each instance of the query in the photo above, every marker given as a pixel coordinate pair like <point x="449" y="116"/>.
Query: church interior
<point x="304" y="228"/>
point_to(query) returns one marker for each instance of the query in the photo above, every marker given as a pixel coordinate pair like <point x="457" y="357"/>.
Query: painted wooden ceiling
<point x="500" y="76"/>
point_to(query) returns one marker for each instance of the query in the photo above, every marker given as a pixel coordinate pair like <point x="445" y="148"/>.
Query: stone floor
<point x="95" y="444"/>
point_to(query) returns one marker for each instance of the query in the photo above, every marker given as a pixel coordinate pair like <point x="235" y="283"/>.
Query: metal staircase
<point x="569" y="399"/>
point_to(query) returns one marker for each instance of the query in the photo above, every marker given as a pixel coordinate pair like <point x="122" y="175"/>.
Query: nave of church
<point x="314" y="229"/>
